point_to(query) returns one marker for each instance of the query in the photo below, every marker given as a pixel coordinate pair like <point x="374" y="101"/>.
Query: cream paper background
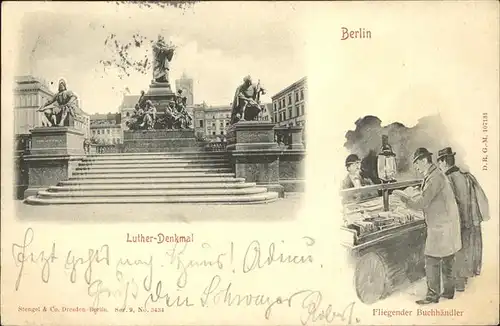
<point x="450" y="52"/>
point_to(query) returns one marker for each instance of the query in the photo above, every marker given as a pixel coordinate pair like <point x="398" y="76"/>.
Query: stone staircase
<point x="173" y="177"/>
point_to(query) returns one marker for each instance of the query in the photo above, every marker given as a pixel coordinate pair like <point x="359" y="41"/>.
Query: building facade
<point x="29" y="94"/>
<point x="266" y="113"/>
<point x="186" y="85"/>
<point x="126" y="109"/>
<point x="106" y="128"/>
<point x="289" y="105"/>
<point x="211" y="121"/>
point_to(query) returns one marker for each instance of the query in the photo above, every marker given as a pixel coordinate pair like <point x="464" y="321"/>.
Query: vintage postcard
<point x="250" y="163"/>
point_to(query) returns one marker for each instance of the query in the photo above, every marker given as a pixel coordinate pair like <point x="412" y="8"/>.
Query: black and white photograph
<point x="158" y="108"/>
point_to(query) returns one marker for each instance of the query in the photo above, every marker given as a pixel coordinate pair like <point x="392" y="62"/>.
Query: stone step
<point x="154" y="192"/>
<point x="160" y="155"/>
<point x="152" y="166"/>
<point x="149" y="181"/>
<point x="259" y="198"/>
<point x="150" y="186"/>
<point x="154" y="157"/>
<point x="150" y="170"/>
<point x="153" y="161"/>
<point x="149" y="175"/>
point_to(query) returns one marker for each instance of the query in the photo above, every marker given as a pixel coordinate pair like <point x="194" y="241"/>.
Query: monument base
<point x="160" y="94"/>
<point x="150" y="141"/>
<point x="255" y="154"/>
<point x="57" y="141"/>
<point x="251" y="135"/>
<point x="48" y="170"/>
<point x="55" y="153"/>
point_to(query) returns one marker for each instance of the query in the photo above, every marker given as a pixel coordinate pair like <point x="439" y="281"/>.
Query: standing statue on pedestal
<point x="65" y="102"/>
<point x="162" y="54"/>
<point x="246" y="103"/>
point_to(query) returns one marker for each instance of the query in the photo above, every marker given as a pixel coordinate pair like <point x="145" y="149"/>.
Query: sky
<point x="217" y="45"/>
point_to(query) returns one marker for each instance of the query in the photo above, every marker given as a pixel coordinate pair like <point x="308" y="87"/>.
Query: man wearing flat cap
<point x="443" y="226"/>
<point x="472" y="204"/>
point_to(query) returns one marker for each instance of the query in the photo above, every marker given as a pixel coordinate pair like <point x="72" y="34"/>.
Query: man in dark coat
<point x="468" y="259"/>
<point x="443" y="226"/>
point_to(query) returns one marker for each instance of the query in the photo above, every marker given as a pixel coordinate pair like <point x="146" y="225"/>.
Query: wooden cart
<point x="387" y="258"/>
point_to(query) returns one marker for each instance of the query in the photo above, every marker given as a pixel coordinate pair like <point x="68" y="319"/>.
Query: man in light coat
<point x="443" y="226"/>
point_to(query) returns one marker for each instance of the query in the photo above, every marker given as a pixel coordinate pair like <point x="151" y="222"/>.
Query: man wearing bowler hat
<point x="354" y="178"/>
<point x="443" y="226"/>
<point x="467" y="191"/>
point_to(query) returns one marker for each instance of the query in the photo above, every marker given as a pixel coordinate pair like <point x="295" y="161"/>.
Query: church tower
<point x="186" y="84"/>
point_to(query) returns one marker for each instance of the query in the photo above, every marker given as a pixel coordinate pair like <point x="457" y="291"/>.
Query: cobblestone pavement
<point x="282" y="209"/>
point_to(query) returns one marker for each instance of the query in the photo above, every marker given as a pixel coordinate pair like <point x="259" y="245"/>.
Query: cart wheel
<point x="371" y="277"/>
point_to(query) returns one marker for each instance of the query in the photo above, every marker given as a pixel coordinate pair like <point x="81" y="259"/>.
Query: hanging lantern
<point x="386" y="164"/>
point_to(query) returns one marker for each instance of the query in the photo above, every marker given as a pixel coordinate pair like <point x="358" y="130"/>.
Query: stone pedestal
<point x="57" y="141"/>
<point x="291" y="136"/>
<point x="292" y="170"/>
<point x="160" y="94"/>
<point x="248" y="135"/>
<point x="296" y="137"/>
<point x="55" y="153"/>
<point x="145" y="141"/>
<point x="255" y="154"/>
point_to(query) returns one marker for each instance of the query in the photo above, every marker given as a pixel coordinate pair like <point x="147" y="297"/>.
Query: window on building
<point x="302" y="94"/>
<point x="227" y="124"/>
<point x="98" y="132"/>
<point x="274" y="106"/>
<point x="118" y="140"/>
<point x="290" y="113"/>
<point x="107" y="130"/>
<point x="200" y="123"/>
<point x="289" y="99"/>
<point x="128" y="114"/>
<point x="296" y="96"/>
<point x="222" y="132"/>
<point x="213" y="124"/>
<point x="213" y="133"/>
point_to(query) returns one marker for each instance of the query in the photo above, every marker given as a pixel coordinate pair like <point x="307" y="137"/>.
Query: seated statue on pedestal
<point x="183" y="118"/>
<point x="149" y="118"/>
<point x="246" y="103"/>
<point x="64" y="103"/>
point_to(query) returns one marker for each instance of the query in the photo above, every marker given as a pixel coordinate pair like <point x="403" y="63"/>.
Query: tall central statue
<point x="162" y="55"/>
